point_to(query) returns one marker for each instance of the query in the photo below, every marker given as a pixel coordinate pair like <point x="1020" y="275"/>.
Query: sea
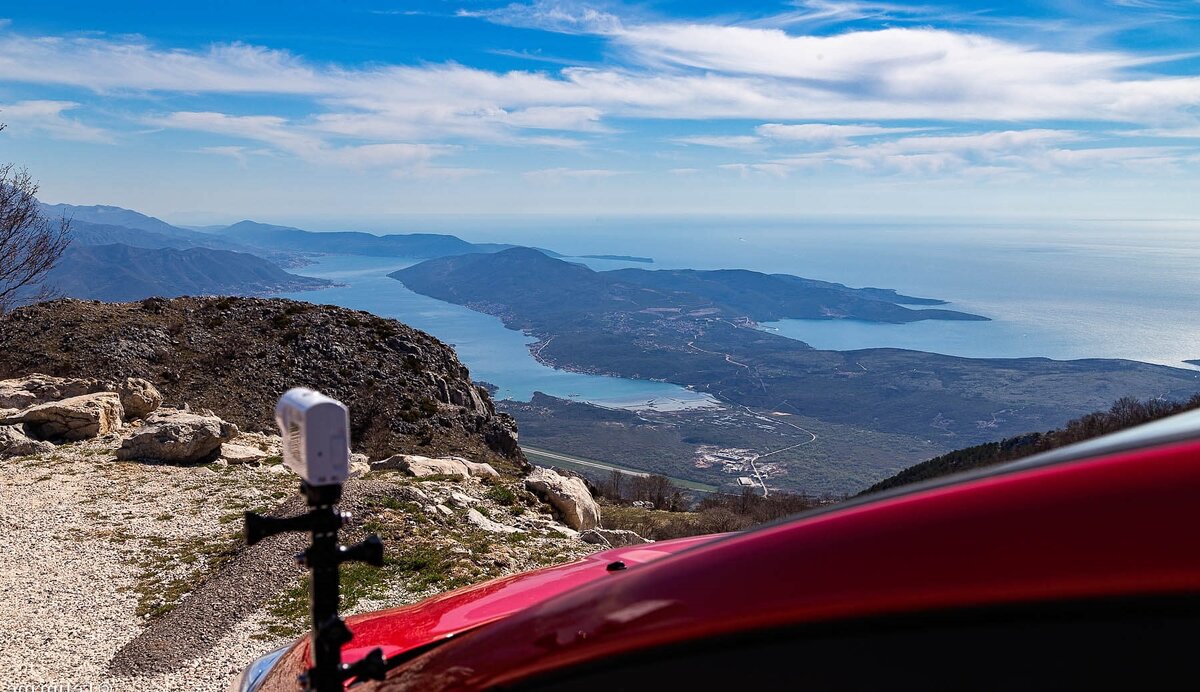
<point x="1062" y="289"/>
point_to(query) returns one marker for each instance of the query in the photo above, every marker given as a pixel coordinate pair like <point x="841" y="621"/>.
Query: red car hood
<point x="402" y="629"/>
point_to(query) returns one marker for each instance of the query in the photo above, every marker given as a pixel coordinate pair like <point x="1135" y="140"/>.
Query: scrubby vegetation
<point x="1125" y="413"/>
<point x="656" y="509"/>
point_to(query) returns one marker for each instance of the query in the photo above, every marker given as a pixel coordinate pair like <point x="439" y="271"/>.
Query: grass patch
<point x="502" y="495"/>
<point x="172" y="569"/>
<point x="448" y="477"/>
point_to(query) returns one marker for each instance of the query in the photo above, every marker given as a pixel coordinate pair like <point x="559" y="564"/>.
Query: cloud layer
<point x="775" y="93"/>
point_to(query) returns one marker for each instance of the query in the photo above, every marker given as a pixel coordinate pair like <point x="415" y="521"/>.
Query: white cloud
<point x="982" y="143"/>
<point x="46" y="117"/>
<point x="236" y="153"/>
<point x="683" y="71"/>
<point x="548" y="15"/>
<point x="773" y="169"/>
<point x="119" y="64"/>
<point x="824" y="133"/>
<point x="819" y="12"/>
<point x="286" y="137"/>
<point x="1167" y="132"/>
<point x="553" y="175"/>
<point x="987" y="153"/>
<point x="406" y="116"/>
<point x="721" y="141"/>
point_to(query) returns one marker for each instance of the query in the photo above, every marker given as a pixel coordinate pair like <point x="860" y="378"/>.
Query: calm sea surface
<point x="1054" y="289"/>
<point x="1061" y="289"/>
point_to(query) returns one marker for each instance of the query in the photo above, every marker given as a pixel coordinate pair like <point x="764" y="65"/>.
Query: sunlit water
<point x="1052" y="289"/>
<point x="1057" y="289"/>
<point x="493" y="353"/>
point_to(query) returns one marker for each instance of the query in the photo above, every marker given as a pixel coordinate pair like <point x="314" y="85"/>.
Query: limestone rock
<point x="416" y="465"/>
<point x="75" y="418"/>
<point x="177" y="437"/>
<point x="568" y="495"/>
<point x="360" y="465"/>
<point x="14" y="443"/>
<point x="139" y="397"/>
<point x="613" y="538"/>
<point x="462" y="500"/>
<point x="242" y="454"/>
<point x="479" y="469"/>
<point x="476" y="517"/>
<point x="23" y="392"/>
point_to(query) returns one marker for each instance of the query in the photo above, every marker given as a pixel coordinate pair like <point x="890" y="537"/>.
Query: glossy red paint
<point x="445" y="615"/>
<point x="1118" y="525"/>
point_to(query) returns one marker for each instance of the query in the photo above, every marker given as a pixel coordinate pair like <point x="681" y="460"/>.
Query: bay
<point x="492" y="352"/>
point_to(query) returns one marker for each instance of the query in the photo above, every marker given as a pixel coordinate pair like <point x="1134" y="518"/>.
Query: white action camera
<point x="316" y="436"/>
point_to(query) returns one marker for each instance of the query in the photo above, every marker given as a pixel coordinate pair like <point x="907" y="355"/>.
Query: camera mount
<point x="322" y="557"/>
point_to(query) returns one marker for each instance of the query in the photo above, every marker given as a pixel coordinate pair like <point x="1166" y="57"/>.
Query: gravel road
<point x="90" y="542"/>
<point x="122" y="575"/>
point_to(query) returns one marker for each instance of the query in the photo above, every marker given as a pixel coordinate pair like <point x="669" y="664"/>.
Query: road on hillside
<point x="570" y="460"/>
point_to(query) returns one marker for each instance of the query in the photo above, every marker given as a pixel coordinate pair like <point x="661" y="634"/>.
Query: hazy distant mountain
<point x="122" y="273"/>
<point x="88" y="233"/>
<point x="113" y="216"/>
<point x="215" y="228"/>
<point x="416" y="245"/>
<point x="278" y="243"/>
<point x="105" y="225"/>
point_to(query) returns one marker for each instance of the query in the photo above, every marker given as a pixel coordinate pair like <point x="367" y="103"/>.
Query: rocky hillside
<point x="121" y="272"/>
<point x="122" y="518"/>
<point x="407" y="391"/>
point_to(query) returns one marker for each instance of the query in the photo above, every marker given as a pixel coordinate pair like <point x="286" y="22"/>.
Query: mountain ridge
<point x="118" y="272"/>
<point x="113" y="216"/>
<point x="415" y="245"/>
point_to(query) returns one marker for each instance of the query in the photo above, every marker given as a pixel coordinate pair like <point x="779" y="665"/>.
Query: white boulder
<point x="242" y="454"/>
<point x="139" y="397"/>
<point x="419" y="466"/>
<point x="75" y="418"/>
<point x="476" y="517"/>
<point x="568" y="495"/>
<point x="177" y="437"/>
<point x="23" y="392"/>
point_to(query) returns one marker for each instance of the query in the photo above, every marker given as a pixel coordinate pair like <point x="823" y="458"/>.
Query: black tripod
<point x="323" y="556"/>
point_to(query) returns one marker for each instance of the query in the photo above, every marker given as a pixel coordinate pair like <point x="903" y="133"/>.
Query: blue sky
<point x="349" y="113"/>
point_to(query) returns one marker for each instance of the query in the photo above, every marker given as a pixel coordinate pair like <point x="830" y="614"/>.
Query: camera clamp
<point x="322" y="557"/>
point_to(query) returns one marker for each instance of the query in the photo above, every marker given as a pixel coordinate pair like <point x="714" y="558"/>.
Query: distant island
<point x="620" y="258"/>
<point x="1193" y="362"/>
<point x="698" y="329"/>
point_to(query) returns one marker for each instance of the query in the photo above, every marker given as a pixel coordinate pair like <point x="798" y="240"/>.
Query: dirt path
<point x="130" y="576"/>
<point x="93" y="545"/>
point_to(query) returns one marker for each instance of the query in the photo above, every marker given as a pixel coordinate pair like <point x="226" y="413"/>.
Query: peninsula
<point x="698" y="329"/>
